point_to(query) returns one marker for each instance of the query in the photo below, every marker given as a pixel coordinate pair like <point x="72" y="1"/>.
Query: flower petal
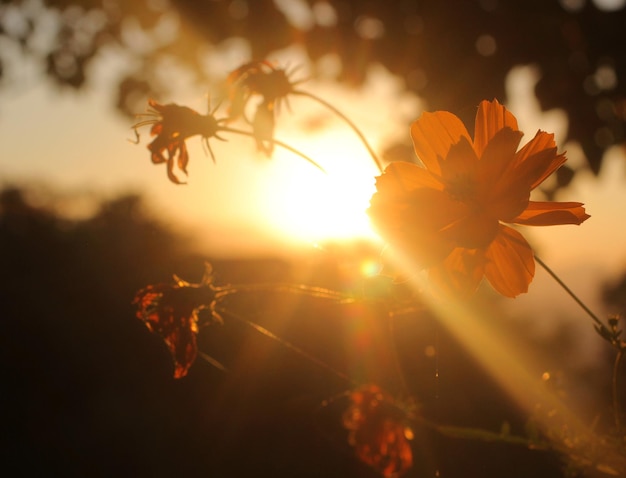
<point x="540" y="142"/>
<point x="541" y="213"/>
<point x="433" y="134"/>
<point x="377" y="430"/>
<point x="500" y="192"/>
<point x="413" y="223"/>
<point x="510" y="263"/>
<point x="461" y="162"/>
<point x="156" y="129"/>
<point x="474" y="229"/>
<point x="491" y="117"/>
<point x="183" y="347"/>
<point x="538" y="159"/>
<point x="510" y="193"/>
<point x="460" y="273"/>
<point x="156" y="149"/>
<point x="401" y="177"/>
<point x="183" y="157"/>
<point x="154" y="104"/>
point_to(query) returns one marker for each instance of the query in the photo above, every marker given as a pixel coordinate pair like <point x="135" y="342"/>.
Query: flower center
<point x="462" y="188"/>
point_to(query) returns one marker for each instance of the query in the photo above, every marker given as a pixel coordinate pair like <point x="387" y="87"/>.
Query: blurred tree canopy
<point x="452" y="53"/>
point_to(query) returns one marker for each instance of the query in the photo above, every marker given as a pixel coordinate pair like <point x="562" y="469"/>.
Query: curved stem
<point x="569" y="291"/>
<point x="317" y="292"/>
<point x="347" y="120"/>
<point x="276" y="142"/>
<point x="289" y="345"/>
<point x="616" y="408"/>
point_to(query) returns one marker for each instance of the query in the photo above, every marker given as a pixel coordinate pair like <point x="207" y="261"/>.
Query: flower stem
<point x="276" y="142"/>
<point x="570" y="292"/>
<point x="616" y="406"/>
<point x="347" y="120"/>
<point x="620" y="346"/>
<point x="288" y="345"/>
<point x="317" y="292"/>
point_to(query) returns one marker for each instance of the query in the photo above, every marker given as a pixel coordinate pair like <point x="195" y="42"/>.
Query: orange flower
<point x="171" y="310"/>
<point x="172" y="125"/>
<point x="448" y="216"/>
<point x="378" y="432"/>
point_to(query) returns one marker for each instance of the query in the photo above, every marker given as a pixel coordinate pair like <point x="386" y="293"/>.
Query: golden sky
<point x="248" y="203"/>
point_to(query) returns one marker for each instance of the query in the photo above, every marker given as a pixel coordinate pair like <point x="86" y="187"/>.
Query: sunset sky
<point x="248" y="204"/>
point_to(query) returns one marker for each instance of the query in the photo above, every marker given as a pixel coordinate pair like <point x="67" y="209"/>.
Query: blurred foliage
<point x="88" y="390"/>
<point x="614" y="294"/>
<point x="453" y="53"/>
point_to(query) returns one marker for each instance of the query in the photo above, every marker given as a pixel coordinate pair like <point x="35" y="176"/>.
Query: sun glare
<point x="329" y="206"/>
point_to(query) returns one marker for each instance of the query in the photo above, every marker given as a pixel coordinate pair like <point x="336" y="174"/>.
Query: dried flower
<point x="257" y="78"/>
<point x="263" y="127"/>
<point x="171" y="310"/>
<point x="448" y="216"/>
<point x="172" y="125"/>
<point x="378" y="431"/>
<point x="263" y="79"/>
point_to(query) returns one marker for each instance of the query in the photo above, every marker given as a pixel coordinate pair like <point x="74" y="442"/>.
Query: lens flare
<point x="370" y="267"/>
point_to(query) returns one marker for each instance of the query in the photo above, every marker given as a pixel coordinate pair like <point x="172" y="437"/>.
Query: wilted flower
<point x="263" y="79"/>
<point x="171" y="310"/>
<point x="378" y="431"/>
<point x="172" y="125"/>
<point x="448" y="216"/>
<point x="263" y="127"/>
<point x="257" y="78"/>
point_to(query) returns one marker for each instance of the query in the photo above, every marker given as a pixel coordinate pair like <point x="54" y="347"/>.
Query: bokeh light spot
<point x="605" y="77"/>
<point x="324" y="14"/>
<point x="370" y="28"/>
<point x="297" y="12"/>
<point x="609" y="5"/>
<point x="572" y="5"/>
<point x="238" y="9"/>
<point x="370" y="267"/>
<point x="486" y="45"/>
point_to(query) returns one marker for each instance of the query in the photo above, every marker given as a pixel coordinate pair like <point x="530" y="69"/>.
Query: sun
<point x="311" y="206"/>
